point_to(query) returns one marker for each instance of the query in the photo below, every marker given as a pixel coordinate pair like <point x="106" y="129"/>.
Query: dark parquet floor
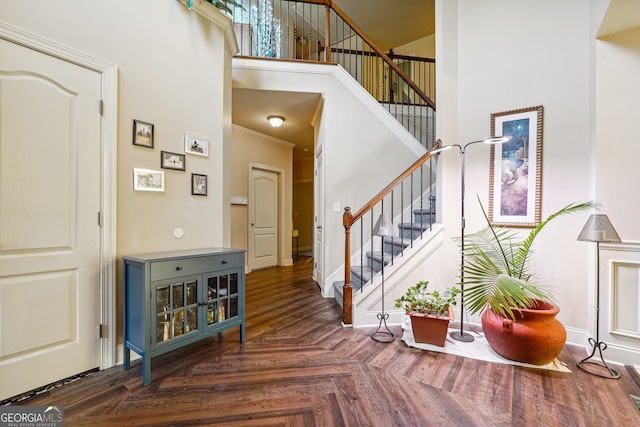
<point x="299" y="367"/>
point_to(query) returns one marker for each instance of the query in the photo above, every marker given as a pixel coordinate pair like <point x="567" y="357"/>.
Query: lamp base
<point x="383" y="335"/>
<point x="585" y="363"/>
<point x="461" y="336"/>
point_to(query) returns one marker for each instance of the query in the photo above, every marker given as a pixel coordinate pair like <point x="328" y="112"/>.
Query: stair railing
<point x="410" y="192"/>
<point x="318" y="30"/>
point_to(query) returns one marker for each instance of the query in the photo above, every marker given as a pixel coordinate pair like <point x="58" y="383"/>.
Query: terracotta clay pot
<point x="428" y="329"/>
<point x="536" y="337"/>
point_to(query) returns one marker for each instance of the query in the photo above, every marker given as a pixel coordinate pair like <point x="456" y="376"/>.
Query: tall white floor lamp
<point x="461" y="335"/>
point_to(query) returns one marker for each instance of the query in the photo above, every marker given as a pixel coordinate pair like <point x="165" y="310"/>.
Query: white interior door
<point x="263" y="219"/>
<point x="318" y="219"/>
<point x="49" y="232"/>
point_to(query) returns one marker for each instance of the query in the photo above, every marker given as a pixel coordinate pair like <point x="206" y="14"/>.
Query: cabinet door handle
<point x="178" y="268"/>
<point x="224" y="261"/>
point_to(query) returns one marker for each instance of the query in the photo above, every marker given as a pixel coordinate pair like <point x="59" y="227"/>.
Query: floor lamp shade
<point x="598" y="229"/>
<point x="383" y="227"/>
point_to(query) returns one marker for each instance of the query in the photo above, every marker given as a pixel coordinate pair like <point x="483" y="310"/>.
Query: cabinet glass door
<point x="222" y="298"/>
<point x="176" y="309"/>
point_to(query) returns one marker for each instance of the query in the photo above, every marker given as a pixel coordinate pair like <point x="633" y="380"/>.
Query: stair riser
<point x="375" y="265"/>
<point x="425" y="218"/>
<point x="356" y="282"/>
<point x="395" y="249"/>
<point x="411" y="233"/>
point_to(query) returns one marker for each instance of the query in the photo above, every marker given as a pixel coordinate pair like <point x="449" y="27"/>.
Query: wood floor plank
<point x="300" y="367"/>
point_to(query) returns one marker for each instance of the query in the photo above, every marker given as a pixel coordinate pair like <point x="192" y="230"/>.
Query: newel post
<point x="347" y="219"/>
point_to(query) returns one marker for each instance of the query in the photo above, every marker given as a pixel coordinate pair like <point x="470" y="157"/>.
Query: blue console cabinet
<point x="172" y="299"/>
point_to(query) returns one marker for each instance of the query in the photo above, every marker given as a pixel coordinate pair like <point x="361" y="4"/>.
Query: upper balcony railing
<point x="317" y="30"/>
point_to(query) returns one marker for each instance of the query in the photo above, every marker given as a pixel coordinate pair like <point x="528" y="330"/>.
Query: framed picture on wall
<point x="148" y="180"/>
<point x="142" y="133"/>
<point x="196" y="145"/>
<point x="516" y="168"/>
<point x="169" y="160"/>
<point x="198" y="184"/>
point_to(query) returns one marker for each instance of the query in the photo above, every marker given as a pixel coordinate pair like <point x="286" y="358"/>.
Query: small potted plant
<point x="430" y="312"/>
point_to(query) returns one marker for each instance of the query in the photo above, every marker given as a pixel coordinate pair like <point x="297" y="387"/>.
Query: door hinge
<point x="101" y="107"/>
<point x="100" y="219"/>
<point x="102" y="331"/>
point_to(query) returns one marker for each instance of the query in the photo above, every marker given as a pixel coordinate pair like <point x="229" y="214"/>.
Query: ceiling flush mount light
<point x="276" y="121"/>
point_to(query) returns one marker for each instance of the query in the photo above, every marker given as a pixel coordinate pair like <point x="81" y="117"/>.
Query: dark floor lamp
<point x="461" y="335"/>
<point x="383" y="228"/>
<point x="598" y="229"/>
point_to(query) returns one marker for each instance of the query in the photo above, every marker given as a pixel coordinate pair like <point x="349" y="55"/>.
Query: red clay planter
<point x="536" y="337"/>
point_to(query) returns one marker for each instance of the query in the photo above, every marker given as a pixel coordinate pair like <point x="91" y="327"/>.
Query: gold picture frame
<point x="515" y="172"/>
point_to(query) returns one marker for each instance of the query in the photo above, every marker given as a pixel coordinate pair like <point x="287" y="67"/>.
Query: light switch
<point x="336" y="207"/>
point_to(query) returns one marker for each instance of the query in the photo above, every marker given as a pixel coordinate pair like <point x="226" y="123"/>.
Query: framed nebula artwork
<point x="516" y="168"/>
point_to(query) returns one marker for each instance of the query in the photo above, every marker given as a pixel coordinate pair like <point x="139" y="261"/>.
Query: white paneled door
<point x="263" y="219"/>
<point x="49" y="228"/>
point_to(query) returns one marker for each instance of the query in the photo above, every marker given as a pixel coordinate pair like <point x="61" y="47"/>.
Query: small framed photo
<point x="169" y="160"/>
<point x="142" y="133"/>
<point x="198" y="184"/>
<point x="196" y="145"/>
<point x="148" y="180"/>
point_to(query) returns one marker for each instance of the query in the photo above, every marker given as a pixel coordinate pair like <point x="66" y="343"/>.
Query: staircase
<point x="392" y="248"/>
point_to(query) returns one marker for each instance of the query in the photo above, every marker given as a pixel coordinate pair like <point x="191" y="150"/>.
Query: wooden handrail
<point x="384" y="56"/>
<point x="409" y="57"/>
<point x="376" y="199"/>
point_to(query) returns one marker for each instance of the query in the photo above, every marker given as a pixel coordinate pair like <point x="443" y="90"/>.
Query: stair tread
<point x="377" y="256"/>
<point x="397" y="240"/>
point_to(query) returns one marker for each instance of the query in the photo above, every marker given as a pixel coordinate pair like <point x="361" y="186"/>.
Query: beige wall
<point x="166" y="56"/>
<point x="250" y="147"/>
<point x="303" y="213"/>
<point x="303" y="187"/>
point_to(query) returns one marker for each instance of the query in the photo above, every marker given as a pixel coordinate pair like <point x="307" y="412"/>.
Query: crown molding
<point x="213" y="15"/>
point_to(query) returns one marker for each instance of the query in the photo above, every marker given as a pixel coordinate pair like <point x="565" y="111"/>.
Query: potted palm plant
<point x="518" y="316"/>
<point x="430" y="312"/>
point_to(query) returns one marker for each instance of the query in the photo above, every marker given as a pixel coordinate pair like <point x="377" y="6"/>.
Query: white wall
<point x="504" y="62"/>
<point x="492" y="59"/>
<point x="616" y="172"/>
<point x="617" y="107"/>
<point x="361" y="150"/>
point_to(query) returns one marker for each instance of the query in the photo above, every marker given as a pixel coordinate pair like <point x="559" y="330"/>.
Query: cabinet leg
<point x="146" y="371"/>
<point x="242" y="332"/>
<point x="126" y="358"/>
